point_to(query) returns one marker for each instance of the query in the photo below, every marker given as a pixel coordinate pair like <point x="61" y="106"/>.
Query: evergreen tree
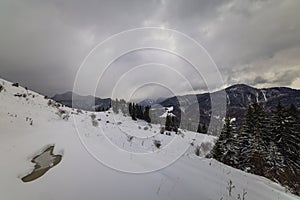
<point x="123" y="106"/>
<point x="204" y="128"/>
<point x="230" y="144"/>
<point x="286" y="135"/>
<point x="139" y="112"/>
<point x="147" y="114"/>
<point x="115" y="106"/>
<point x="275" y="162"/>
<point x="130" y="109"/>
<point x="168" y="123"/>
<point x="199" y="129"/>
<point x="224" y="150"/>
<point x="253" y="140"/>
<point x="245" y="139"/>
<point x="133" y="114"/>
<point x="174" y="124"/>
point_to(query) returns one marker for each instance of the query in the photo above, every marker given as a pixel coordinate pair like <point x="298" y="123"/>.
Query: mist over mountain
<point x="186" y="107"/>
<point x="89" y="103"/>
<point x="239" y="97"/>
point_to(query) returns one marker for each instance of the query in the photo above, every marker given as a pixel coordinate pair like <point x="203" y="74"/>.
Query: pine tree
<point x="133" y="110"/>
<point x="286" y="135"/>
<point x="115" y="106"/>
<point x="231" y="152"/>
<point x="123" y="106"/>
<point x="204" y="128"/>
<point x="147" y="114"/>
<point x="275" y="162"/>
<point x="254" y="146"/>
<point x="245" y="139"/>
<point x="199" y="129"/>
<point x="224" y="149"/>
<point x="168" y="123"/>
<point x="130" y="109"/>
<point x="139" y="112"/>
<point x="174" y="124"/>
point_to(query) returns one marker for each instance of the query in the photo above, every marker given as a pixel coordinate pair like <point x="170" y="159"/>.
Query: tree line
<point x="267" y="144"/>
<point x="137" y="111"/>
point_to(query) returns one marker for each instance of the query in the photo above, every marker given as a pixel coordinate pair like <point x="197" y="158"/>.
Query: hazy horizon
<point x="43" y="44"/>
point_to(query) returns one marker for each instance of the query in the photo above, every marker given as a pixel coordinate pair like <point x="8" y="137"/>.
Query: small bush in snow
<point x="206" y="147"/>
<point x="1" y="88"/>
<point x="95" y="123"/>
<point x="230" y="187"/>
<point x="15" y="84"/>
<point x="181" y="134"/>
<point x="198" y="151"/>
<point x="93" y="116"/>
<point x="162" y="130"/>
<point x="49" y="103"/>
<point x="157" y="143"/>
<point x="129" y="138"/>
<point x="242" y="196"/>
<point x="63" y="114"/>
<point x="192" y="142"/>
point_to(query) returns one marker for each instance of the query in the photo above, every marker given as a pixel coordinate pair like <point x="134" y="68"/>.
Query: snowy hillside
<point x="29" y="123"/>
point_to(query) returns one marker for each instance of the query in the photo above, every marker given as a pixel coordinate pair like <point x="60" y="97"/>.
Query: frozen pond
<point x="43" y="162"/>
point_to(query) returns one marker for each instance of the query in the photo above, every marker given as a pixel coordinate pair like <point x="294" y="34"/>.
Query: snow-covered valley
<point x="88" y="170"/>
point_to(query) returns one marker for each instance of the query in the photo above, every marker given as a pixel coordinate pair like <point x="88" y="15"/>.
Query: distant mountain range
<point x="150" y="102"/>
<point x="238" y="98"/>
<point x="89" y="103"/>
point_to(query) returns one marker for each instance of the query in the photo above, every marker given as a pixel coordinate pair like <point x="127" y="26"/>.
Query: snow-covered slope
<point x="28" y="125"/>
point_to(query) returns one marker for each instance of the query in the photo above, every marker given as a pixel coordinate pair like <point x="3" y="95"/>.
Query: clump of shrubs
<point x="203" y="149"/>
<point x="63" y="114"/>
<point x="18" y="95"/>
<point x="180" y="133"/>
<point x="198" y="150"/>
<point x="1" y="88"/>
<point x="129" y="138"/>
<point x="157" y="143"/>
<point x="49" y="102"/>
<point x="206" y="147"/>
<point x="95" y="123"/>
<point x="94" y="120"/>
<point x="15" y="84"/>
<point x="53" y="104"/>
<point x="162" y="130"/>
<point x="93" y="116"/>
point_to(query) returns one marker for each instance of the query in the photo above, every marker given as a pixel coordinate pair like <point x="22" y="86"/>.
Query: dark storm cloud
<point x="42" y="44"/>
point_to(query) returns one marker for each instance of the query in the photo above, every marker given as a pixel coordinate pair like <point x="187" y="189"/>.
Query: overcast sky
<point x="256" y="42"/>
